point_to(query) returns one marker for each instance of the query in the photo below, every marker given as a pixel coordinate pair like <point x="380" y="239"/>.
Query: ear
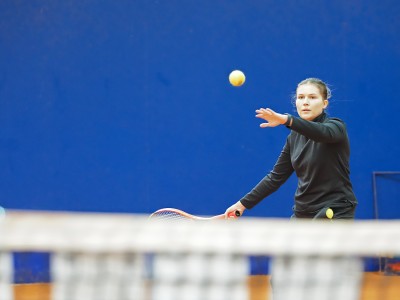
<point x="326" y="103"/>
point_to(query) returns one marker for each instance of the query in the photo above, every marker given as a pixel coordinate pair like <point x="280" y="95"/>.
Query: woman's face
<point x="309" y="101"/>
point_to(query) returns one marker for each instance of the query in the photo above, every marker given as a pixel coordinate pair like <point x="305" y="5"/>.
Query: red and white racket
<point x="173" y="214"/>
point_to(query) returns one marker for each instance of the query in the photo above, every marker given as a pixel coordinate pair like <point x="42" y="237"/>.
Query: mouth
<point x="306" y="110"/>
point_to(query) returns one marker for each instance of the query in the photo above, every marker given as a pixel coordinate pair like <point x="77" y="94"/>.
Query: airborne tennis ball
<point x="237" y="78"/>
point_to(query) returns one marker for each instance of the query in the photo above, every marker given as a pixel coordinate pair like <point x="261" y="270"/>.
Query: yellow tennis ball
<point x="237" y="78"/>
<point x="329" y="213"/>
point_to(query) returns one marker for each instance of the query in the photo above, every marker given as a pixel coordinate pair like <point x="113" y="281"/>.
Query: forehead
<point x="308" y="88"/>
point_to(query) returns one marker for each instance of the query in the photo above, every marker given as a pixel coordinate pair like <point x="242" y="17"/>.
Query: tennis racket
<point x="173" y="214"/>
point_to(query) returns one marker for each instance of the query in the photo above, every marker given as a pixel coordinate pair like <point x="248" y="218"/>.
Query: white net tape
<point x="124" y="257"/>
<point x="124" y="233"/>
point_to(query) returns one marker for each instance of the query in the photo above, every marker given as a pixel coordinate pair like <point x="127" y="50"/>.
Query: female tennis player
<point x="317" y="149"/>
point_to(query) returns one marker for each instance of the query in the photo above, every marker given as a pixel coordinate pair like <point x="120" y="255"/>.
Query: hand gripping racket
<point x="173" y="214"/>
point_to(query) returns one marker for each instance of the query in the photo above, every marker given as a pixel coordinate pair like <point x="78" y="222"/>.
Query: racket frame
<point x="235" y="214"/>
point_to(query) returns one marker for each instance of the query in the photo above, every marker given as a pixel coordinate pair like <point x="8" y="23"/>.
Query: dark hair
<point x="322" y="86"/>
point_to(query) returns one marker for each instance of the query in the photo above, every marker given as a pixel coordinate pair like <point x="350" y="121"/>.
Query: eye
<point x="300" y="97"/>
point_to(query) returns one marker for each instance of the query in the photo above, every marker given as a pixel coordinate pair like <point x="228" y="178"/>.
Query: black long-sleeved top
<point x="318" y="151"/>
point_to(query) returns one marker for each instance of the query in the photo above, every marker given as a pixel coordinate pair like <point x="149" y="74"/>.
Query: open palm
<point x="273" y="119"/>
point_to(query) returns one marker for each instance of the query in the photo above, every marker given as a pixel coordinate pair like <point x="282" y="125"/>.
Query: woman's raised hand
<point x="273" y="119"/>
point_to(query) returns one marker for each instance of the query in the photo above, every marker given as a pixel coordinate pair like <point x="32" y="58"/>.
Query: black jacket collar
<point x="321" y="117"/>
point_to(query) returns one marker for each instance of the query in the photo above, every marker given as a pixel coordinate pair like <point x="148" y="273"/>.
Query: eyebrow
<point x="312" y="94"/>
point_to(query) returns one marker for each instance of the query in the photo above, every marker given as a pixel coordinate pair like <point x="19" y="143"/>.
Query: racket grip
<point x="234" y="214"/>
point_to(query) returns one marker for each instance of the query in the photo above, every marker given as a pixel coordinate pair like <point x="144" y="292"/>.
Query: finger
<point x="270" y="111"/>
<point x="264" y="125"/>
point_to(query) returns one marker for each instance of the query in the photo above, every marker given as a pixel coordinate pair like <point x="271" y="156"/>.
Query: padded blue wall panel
<point x="125" y="106"/>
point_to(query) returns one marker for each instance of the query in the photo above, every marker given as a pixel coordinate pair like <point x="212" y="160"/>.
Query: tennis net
<point x="126" y="257"/>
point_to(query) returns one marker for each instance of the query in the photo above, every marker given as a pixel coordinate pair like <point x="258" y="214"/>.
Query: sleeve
<point x="281" y="172"/>
<point x="331" y="131"/>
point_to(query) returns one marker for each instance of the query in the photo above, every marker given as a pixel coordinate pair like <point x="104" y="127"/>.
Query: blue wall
<point x="124" y="106"/>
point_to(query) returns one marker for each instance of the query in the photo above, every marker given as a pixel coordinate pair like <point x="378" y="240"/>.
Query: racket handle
<point x="234" y="214"/>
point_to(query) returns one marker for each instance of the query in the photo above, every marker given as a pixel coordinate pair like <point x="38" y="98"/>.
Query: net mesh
<point x="124" y="257"/>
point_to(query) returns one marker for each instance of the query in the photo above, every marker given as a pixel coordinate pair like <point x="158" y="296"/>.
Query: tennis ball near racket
<point x="329" y="213"/>
<point x="237" y="78"/>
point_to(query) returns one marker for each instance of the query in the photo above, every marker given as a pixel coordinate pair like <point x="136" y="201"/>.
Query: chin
<point x="307" y="117"/>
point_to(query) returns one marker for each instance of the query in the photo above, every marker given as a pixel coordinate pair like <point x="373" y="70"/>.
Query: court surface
<point x="375" y="284"/>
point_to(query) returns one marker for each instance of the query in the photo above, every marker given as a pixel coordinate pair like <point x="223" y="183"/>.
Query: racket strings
<point x="169" y="216"/>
